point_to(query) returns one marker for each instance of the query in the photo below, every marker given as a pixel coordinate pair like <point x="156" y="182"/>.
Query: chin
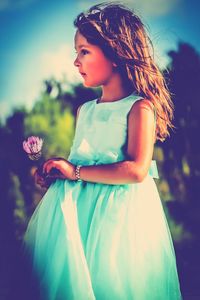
<point x="91" y="85"/>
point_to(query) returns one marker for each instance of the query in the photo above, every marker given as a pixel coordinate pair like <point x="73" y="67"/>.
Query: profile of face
<point x="95" y="68"/>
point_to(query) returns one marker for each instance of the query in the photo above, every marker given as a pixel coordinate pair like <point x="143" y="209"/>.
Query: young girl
<point x="100" y="231"/>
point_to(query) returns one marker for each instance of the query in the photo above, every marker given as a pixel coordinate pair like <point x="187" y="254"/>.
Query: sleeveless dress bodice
<point x="102" y="133"/>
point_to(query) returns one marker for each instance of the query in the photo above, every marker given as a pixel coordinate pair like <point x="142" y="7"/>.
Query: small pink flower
<point x="33" y="147"/>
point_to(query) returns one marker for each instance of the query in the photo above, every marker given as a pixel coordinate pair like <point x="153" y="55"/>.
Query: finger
<point x="44" y="167"/>
<point x="46" y="164"/>
<point x="40" y="170"/>
<point x="38" y="177"/>
<point x="40" y="182"/>
<point x="43" y="184"/>
<point x="37" y="174"/>
<point x="49" y="165"/>
<point x="53" y="168"/>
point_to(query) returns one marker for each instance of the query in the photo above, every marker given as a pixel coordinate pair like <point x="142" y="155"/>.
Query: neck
<point x="115" y="90"/>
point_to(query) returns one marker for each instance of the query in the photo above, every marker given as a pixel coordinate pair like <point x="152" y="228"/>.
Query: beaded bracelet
<point x="77" y="173"/>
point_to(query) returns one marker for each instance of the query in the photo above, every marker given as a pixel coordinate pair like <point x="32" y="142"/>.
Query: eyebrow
<point x="80" y="46"/>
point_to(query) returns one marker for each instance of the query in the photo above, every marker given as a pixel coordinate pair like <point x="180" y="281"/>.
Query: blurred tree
<point x="12" y="209"/>
<point x="70" y="95"/>
<point x="181" y="164"/>
<point x="182" y="149"/>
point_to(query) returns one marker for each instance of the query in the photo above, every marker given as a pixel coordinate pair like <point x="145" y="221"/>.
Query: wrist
<point x="77" y="173"/>
<point x="74" y="173"/>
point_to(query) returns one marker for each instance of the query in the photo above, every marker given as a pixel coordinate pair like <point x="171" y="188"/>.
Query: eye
<point x="83" y="51"/>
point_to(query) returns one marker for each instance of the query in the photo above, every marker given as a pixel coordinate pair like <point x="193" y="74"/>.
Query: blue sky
<point x="36" y="41"/>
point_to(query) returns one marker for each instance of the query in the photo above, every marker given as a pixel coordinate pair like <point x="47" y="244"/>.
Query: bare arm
<point x="140" y="150"/>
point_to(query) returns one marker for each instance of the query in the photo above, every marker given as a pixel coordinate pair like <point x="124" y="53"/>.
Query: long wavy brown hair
<point x="123" y="38"/>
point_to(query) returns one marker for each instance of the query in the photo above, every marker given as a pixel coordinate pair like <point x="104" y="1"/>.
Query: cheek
<point x="100" y="66"/>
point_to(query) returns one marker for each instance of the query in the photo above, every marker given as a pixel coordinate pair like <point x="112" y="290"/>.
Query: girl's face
<point x="95" y="68"/>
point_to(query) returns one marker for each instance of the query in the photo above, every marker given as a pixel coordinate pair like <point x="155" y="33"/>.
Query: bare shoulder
<point x="143" y="104"/>
<point x="141" y="111"/>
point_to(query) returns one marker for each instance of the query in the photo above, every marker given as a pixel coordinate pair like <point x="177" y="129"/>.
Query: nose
<point x="76" y="62"/>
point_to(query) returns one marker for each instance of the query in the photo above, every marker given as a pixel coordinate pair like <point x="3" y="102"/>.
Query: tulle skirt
<point x="89" y="241"/>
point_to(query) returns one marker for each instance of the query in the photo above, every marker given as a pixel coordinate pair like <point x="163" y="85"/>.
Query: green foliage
<point x="54" y="125"/>
<point x="19" y="208"/>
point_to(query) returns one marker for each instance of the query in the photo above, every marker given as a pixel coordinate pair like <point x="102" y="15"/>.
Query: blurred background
<point x="40" y="90"/>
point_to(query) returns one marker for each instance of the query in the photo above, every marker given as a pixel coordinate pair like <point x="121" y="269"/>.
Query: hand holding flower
<point x="33" y="147"/>
<point x="59" y="168"/>
<point x="50" y="170"/>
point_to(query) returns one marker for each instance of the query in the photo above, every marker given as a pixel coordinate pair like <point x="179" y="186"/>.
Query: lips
<point x="82" y="73"/>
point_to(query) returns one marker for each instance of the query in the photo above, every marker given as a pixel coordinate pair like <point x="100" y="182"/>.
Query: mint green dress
<point x="90" y="241"/>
